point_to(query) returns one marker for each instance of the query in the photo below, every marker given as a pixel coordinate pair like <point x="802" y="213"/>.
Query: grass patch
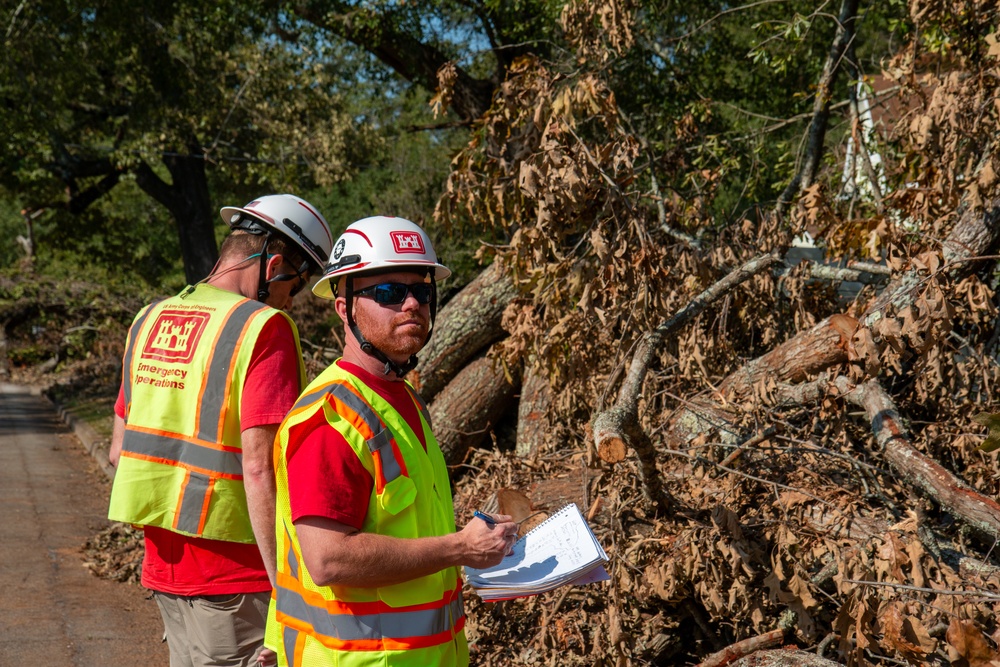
<point x="97" y="410"/>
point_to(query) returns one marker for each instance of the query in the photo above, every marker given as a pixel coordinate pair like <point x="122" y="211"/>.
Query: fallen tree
<point x="466" y="325"/>
<point x="466" y="410"/>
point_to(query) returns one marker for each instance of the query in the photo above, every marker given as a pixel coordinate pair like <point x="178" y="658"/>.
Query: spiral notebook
<point x="559" y="551"/>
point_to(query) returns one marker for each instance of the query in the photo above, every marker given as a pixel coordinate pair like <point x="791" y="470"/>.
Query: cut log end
<point x="612" y="450"/>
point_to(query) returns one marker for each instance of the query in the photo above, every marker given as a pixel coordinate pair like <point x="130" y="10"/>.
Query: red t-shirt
<point x="184" y="565"/>
<point x="325" y="476"/>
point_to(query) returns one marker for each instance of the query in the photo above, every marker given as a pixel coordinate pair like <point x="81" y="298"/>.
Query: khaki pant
<point x="213" y="630"/>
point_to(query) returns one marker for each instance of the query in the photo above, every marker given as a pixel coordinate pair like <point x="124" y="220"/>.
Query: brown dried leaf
<point x="515" y="503"/>
<point x="790" y="499"/>
<point x="891" y="557"/>
<point x="905" y="633"/>
<point x="966" y="641"/>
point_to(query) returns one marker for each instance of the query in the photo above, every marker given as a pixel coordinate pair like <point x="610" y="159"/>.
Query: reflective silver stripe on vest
<point x="351" y="627"/>
<point x="293" y="562"/>
<point x="127" y="361"/>
<point x="183" y="452"/>
<point x="223" y="360"/>
<point x="189" y="514"/>
<point x="289" y="636"/>
<point x="212" y="414"/>
<point x="381" y="441"/>
<point x="308" y="399"/>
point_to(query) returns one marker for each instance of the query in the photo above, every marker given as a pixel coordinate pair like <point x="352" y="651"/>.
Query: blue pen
<point x="485" y="517"/>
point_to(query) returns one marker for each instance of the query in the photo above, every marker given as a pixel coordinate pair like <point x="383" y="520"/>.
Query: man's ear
<point x="274" y="263"/>
<point x="340" y="305"/>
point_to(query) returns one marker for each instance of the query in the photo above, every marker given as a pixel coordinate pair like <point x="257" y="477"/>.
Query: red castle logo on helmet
<point x="407" y="242"/>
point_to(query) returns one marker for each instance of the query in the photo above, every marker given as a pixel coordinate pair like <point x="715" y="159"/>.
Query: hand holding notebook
<point x="561" y="550"/>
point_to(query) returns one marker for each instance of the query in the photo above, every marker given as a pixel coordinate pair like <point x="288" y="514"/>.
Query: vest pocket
<point x="397" y="495"/>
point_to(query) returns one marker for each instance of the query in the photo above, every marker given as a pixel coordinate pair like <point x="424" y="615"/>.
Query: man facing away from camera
<point x="207" y="377"/>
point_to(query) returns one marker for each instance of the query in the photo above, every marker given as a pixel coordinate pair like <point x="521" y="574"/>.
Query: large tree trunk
<point x="532" y="411"/>
<point x="472" y="403"/>
<point x="466" y="325"/>
<point x="188" y="201"/>
<point x="4" y="361"/>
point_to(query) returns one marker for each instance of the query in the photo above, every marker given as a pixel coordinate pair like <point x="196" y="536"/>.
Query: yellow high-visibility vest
<point x="416" y="623"/>
<point x="181" y="465"/>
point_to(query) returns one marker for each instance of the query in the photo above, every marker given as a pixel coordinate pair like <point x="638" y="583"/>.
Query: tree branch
<point x="730" y="654"/>
<point x="979" y="512"/>
<point x="974" y="235"/>
<point x="821" y="106"/>
<point x="407" y="56"/>
<point x="617" y="429"/>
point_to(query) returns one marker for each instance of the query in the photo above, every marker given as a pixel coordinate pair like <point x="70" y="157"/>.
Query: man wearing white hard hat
<point x="207" y="377"/>
<point x="368" y="553"/>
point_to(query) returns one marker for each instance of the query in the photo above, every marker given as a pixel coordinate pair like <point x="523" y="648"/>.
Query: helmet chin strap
<point x="366" y="345"/>
<point x="263" y="289"/>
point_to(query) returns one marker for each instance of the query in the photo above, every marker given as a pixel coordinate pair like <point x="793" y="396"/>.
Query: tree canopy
<point x="175" y="98"/>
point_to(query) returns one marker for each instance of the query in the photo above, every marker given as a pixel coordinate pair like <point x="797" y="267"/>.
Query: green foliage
<point x="992" y="421"/>
<point x="111" y="97"/>
<point x="738" y="73"/>
<point x="12" y="225"/>
<point x="401" y="174"/>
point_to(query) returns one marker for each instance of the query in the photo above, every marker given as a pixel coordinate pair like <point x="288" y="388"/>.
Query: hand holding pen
<point x="485" y="517"/>
<point x="488" y="538"/>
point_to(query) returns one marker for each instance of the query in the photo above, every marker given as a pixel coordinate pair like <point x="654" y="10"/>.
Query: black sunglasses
<point x="303" y="276"/>
<point x="303" y="281"/>
<point x="390" y="294"/>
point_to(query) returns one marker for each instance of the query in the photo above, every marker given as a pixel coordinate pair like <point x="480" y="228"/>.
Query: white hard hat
<point x="290" y="216"/>
<point x="379" y="244"/>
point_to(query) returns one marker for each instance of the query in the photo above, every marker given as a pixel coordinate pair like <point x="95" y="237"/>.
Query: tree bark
<point x="979" y="512"/>
<point x="532" y="412"/>
<point x="701" y="417"/>
<point x="4" y="361"/>
<point x="466" y="325"/>
<point x="806" y="354"/>
<point x="975" y="234"/>
<point x="464" y="412"/>
<point x="742" y="649"/>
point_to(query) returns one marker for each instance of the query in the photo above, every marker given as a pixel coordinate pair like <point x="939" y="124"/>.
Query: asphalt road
<point x="53" y="497"/>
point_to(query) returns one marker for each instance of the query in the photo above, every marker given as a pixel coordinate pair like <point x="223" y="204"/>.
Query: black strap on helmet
<point x="253" y="226"/>
<point x="263" y="288"/>
<point x="306" y="243"/>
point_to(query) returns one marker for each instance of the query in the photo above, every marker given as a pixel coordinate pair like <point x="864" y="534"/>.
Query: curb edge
<point x="83" y="431"/>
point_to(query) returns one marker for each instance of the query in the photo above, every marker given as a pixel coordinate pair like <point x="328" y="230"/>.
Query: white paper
<point x="561" y="550"/>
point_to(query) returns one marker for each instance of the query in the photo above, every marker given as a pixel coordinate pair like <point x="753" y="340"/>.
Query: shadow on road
<point x="25" y="413"/>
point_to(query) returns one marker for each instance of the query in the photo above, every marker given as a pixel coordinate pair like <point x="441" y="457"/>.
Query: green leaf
<point x="992" y="421"/>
